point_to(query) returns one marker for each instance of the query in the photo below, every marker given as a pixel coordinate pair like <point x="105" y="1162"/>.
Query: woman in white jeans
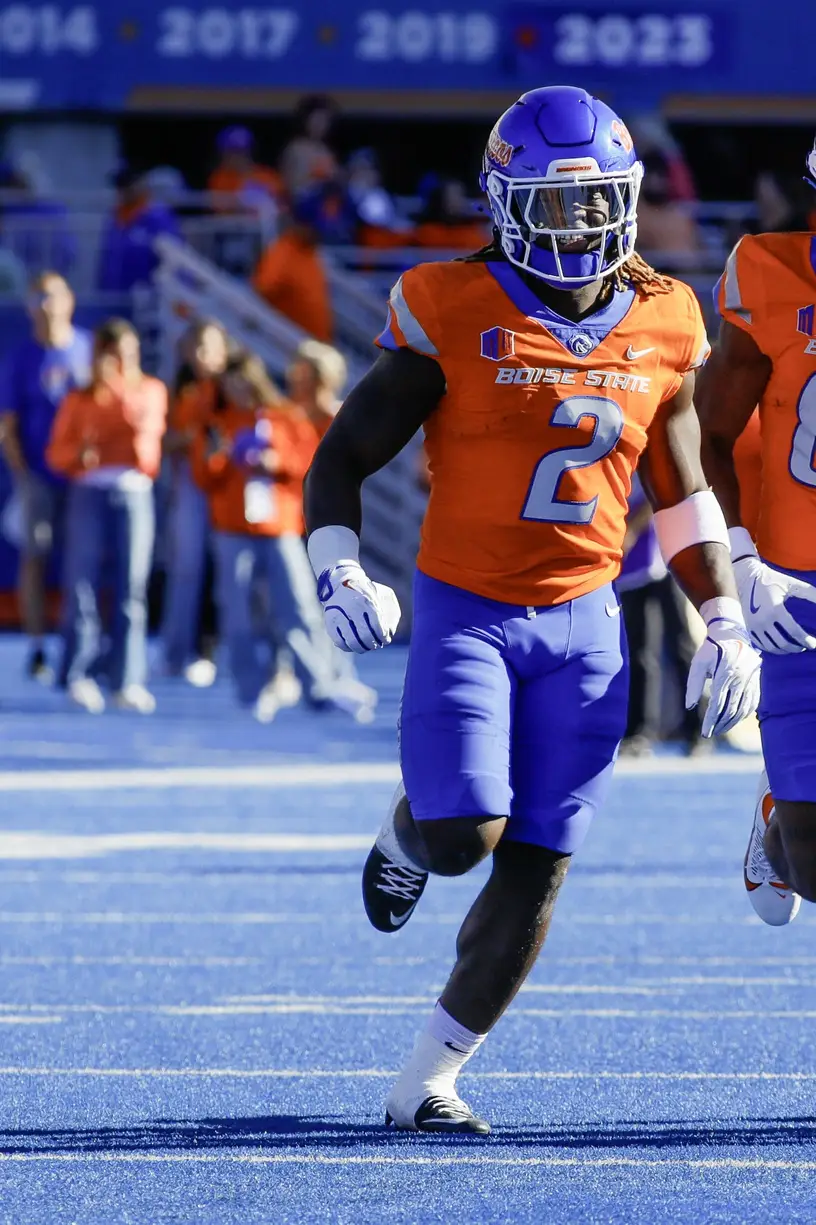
<point x="106" y="440"/>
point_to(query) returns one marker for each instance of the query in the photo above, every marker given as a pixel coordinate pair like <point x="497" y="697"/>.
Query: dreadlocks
<point x="641" y="276"/>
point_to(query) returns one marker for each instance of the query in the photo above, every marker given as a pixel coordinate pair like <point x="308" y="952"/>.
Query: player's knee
<point x="457" y="844"/>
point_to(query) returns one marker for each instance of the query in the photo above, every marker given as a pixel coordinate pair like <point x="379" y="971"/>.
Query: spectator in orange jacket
<point x="188" y="528"/>
<point x="250" y="461"/>
<point x="107" y="441"/>
<point x="291" y="277"/>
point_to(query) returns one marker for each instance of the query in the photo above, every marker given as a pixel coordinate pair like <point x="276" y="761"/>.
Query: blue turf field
<point x="197" y="1024"/>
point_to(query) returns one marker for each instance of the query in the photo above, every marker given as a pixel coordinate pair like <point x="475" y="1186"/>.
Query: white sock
<point x="387" y="840"/>
<point x="439" y="1054"/>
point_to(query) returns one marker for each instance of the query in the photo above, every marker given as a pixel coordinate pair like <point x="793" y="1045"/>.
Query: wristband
<point x="698" y="519"/>
<point x="328" y="546"/>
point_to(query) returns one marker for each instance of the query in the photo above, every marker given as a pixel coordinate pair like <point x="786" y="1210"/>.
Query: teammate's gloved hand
<point x="727" y="658"/>
<point x="360" y="615"/>
<point x="763" y="593"/>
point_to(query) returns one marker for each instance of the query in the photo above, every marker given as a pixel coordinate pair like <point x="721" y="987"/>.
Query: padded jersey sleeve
<point x="694" y="349"/>
<point x="740" y="292"/>
<point x="412" y="321"/>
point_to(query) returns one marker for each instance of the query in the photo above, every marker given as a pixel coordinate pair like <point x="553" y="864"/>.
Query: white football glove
<point x="360" y="615"/>
<point x="763" y="593"/>
<point x="727" y="658"/>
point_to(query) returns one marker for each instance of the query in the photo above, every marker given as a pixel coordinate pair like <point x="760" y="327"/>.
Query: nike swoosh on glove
<point x="360" y="615"/>
<point x="727" y="658"/>
<point x="763" y="593"/>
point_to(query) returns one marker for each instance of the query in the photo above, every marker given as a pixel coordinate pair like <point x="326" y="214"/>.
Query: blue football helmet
<point x="562" y="180"/>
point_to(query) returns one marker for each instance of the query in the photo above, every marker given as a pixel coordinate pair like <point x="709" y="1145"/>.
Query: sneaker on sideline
<point x="135" y="698"/>
<point x="86" y="694"/>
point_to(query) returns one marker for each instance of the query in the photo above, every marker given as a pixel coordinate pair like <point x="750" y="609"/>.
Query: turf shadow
<point x="322" y="1133"/>
<point x="185" y="1135"/>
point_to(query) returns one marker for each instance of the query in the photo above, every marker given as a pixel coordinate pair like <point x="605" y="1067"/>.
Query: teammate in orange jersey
<point x="542" y="369"/>
<point x="766" y="355"/>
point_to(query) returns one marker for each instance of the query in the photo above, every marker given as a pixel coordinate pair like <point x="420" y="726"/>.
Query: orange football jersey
<point x="769" y="290"/>
<point x="533" y="446"/>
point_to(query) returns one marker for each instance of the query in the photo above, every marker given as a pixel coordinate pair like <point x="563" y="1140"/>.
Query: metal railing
<point x="66" y="235"/>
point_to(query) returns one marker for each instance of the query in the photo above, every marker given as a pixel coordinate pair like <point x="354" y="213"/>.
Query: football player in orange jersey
<point x="541" y="369"/>
<point x="766" y="356"/>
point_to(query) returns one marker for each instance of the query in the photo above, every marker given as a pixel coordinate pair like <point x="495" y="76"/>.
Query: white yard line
<point x="308" y="774"/>
<point x="321" y="774"/>
<point x="224" y="1073"/>
<point x="43" y="845"/>
<point x="376" y="1006"/>
<point x="438" y="1159"/>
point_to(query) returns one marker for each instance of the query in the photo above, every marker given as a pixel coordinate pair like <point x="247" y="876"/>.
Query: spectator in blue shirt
<point x="33" y="382"/>
<point x="127" y="256"/>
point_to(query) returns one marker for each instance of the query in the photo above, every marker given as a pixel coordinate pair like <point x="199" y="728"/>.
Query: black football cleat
<point x="390" y="891"/>
<point x="443" y="1116"/>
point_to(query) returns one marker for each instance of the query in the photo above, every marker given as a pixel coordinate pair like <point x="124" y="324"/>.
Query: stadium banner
<point x="149" y="54"/>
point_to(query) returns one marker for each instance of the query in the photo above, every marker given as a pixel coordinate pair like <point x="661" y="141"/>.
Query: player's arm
<point x="729" y="389"/>
<point x="378" y="418"/>
<point x="673" y="478"/>
<point x="693" y="538"/>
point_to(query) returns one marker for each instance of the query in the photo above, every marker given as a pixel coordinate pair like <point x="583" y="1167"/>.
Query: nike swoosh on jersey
<point x="633" y="354"/>
<point x="612" y="610"/>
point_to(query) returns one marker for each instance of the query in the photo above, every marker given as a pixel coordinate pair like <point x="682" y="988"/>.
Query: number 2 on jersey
<point x="804" y="437"/>
<point x="543" y="503"/>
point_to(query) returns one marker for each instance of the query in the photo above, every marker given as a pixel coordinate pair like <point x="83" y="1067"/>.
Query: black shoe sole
<point x="473" y="1126"/>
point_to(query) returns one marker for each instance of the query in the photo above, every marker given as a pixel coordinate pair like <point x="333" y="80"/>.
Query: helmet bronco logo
<point x="498" y="150"/>
<point x="620" y="130"/>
